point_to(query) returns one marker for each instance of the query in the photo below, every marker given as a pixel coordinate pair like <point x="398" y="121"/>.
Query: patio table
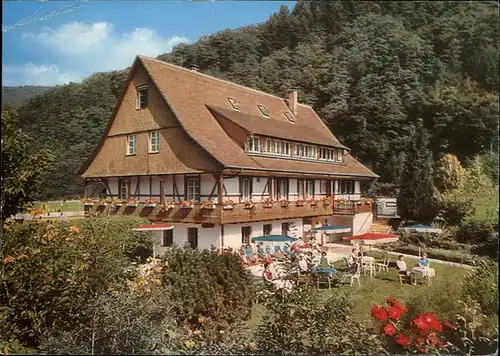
<point x="329" y="270"/>
<point x="370" y="262"/>
<point x="422" y="272"/>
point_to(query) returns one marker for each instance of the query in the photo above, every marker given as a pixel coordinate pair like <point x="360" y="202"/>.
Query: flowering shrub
<point x="168" y="205"/>
<point x="424" y="333"/>
<point x="131" y="202"/>
<point x="88" y="201"/>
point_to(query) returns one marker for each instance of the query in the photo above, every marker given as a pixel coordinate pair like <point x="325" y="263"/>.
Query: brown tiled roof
<point x="278" y="128"/>
<point x="189" y="94"/>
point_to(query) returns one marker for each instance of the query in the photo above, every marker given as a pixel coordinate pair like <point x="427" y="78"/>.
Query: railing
<point x="351" y="207"/>
<point x="239" y="212"/>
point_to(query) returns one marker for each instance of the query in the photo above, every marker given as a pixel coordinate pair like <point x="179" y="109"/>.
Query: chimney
<point x="292" y="100"/>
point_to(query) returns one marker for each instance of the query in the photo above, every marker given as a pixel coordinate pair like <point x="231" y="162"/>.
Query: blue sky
<point x="103" y="36"/>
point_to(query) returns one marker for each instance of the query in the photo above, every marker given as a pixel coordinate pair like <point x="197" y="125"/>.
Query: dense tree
<point x="416" y="200"/>
<point x="369" y="69"/>
<point x="23" y="168"/>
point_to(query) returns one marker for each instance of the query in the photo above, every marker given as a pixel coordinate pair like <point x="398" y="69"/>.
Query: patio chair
<point x="383" y="266"/>
<point x="286" y="249"/>
<point x="277" y="248"/>
<point x="352" y="276"/>
<point x="268" y="250"/>
<point x="323" y="278"/>
<point x="368" y="266"/>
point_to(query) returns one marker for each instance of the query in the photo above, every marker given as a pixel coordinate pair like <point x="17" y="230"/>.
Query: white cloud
<point x="32" y="74"/>
<point x="82" y="49"/>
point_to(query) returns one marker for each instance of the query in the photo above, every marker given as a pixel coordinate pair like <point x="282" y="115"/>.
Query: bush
<point x="459" y="256"/>
<point x="481" y="285"/>
<point x="299" y="322"/>
<point x="51" y="271"/>
<point x="477" y="231"/>
<point x="210" y="285"/>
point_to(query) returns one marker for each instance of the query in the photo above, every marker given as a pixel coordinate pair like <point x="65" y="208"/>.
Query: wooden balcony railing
<point x="238" y="213"/>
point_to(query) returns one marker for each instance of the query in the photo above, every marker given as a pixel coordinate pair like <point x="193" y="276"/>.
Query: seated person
<point x="324" y="261"/>
<point x="423" y="262"/>
<point x="352" y="257"/>
<point x="402" y="266"/>
<point x="303" y="266"/>
<point x="260" y="251"/>
<point x="249" y="254"/>
<point x="266" y="274"/>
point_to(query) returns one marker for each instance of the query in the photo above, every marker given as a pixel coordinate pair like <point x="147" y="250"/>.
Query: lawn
<point x="73" y="205"/>
<point x="384" y="285"/>
<point x="486" y="204"/>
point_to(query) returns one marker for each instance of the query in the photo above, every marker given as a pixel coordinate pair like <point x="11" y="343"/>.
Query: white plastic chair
<point x="384" y="266"/>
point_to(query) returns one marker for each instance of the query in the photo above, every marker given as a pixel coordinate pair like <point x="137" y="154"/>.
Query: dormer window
<point x="289" y="116"/>
<point x="263" y="110"/>
<point x="142" y="97"/>
<point x="234" y="103"/>
<point x="253" y="144"/>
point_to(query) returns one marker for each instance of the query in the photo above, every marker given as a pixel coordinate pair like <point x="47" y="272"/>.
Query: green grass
<point x="56" y="206"/>
<point x="486" y="204"/>
<point x="384" y="285"/>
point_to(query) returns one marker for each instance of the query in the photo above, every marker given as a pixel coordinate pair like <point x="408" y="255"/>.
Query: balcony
<point x="238" y="213"/>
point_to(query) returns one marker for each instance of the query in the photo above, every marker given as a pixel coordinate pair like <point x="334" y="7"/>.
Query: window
<point x="286" y="148"/>
<point x="246" y="188"/>
<point x="234" y="103"/>
<point x="276" y="147"/>
<point x="253" y="144"/>
<point x="338" y="155"/>
<point x="285" y="227"/>
<point x="309" y="193"/>
<point x="347" y="187"/>
<point x="123" y="189"/>
<point x="154" y="142"/>
<point x="193" y="237"/>
<point x="289" y="117"/>
<point x="246" y="233"/>
<point x="314" y="151"/>
<point x="263" y="110"/>
<point x="267" y="229"/>
<point x="300" y="189"/>
<point x="267" y="147"/>
<point x="142" y="97"/>
<point x="193" y="189"/>
<point x="297" y="150"/>
<point x="131" y="145"/>
<point x="302" y="151"/>
<point x="281" y="191"/>
<point x="167" y="238"/>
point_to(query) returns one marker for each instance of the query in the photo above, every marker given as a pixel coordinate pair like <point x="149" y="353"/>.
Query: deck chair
<point x="383" y="266"/>
<point x="352" y="276"/>
<point x="323" y="278"/>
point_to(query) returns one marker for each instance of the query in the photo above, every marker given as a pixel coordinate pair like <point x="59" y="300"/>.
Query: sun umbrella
<point x="153" y="227"/>
<point x="331" y="230"/>
<point x="421" y="228"/>
<point x="273" y="238"/>
<point x="372" y="238"/>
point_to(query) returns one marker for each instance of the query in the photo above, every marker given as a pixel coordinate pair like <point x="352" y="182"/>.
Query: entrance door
<point x="193" y="237"/>
<point x="284" y="228"/>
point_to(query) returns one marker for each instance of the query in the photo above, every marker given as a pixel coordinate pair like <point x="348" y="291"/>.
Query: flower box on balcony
<point x="284" y="203"/>
<point x="88" y="204"/>
<point x="248" y="205"/>
<point x="207" y="205"/>
<point x="187" y="204"/>
<point x="267" y="203"/>
<point x="313" y="202"/>
<point x="228" y="205"/>
<point x="299" y="203"/>
<point x="326" y="201"/>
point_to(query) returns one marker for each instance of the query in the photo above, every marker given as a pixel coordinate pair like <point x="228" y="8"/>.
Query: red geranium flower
<point x="403" y="340"/>
<point x="379" y="313"/>
<point x="50" y="278"/>
<point x="420" y="324"/>
<point x="394" y="303"/>
<point x="436" y="325"/>
<point x="432" y="339"/>
<point x="394" y="313"/>
<point x="420" y="344"/>
<point x="389" y="329"/>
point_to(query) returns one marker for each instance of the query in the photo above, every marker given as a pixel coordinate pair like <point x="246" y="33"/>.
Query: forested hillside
<point x="369" y="69"/>
<point x="15" y="96"/>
